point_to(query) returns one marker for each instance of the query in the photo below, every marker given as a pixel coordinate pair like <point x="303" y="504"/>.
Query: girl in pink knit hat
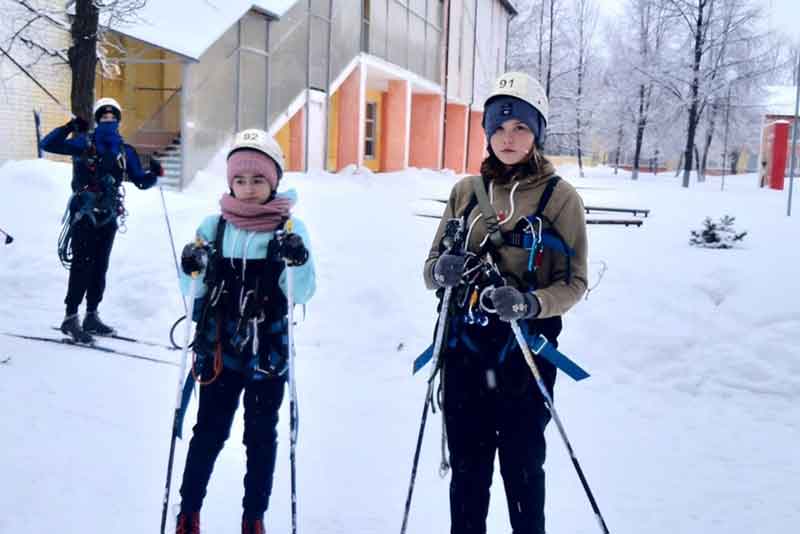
<point x="240" y="344"/>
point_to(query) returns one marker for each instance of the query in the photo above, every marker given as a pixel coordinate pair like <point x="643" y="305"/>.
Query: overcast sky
<point x="784" y="15"/>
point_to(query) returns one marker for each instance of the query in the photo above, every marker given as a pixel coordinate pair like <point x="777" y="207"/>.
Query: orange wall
<point x="455" y="155"/>
<point x="349" y="108"/>
<point x="477" y="143"/>
<point x="426" y="130"/>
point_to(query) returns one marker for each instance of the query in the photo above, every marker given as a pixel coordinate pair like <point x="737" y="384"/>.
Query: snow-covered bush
<point x="719" y="234"/>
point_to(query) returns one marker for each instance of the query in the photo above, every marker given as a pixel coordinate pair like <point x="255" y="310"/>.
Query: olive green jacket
<point x="514" y="199"/>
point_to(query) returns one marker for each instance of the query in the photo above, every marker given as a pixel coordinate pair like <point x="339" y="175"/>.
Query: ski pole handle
<point x="8" y="238"/>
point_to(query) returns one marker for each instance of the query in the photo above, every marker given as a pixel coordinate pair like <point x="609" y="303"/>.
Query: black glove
<point x="193" y="258"/>
<point x="293" y="250"/>
<point x="448" y="270"/>
<point x="155" y="168"/>
<point x="512" y="305"/>
<point x="78" y="124"/>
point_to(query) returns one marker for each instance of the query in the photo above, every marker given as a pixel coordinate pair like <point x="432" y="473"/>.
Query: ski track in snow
<point x="688" y="424"/>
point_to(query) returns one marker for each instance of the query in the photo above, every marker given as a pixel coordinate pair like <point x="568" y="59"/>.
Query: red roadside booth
<point x="774" y="152"/>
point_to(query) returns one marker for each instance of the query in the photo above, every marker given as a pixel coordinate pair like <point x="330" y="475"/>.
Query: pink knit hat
<point x="249" y="161"/>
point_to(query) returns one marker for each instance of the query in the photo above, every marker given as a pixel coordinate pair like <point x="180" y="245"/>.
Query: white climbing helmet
<point x="263" y="142"/>
<point x="524" y="87"/>
<point x="107" y="105"/>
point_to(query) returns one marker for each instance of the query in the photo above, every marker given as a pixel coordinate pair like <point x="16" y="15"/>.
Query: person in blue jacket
<point x="239" y="259"/>
<point x="101" y="161"/>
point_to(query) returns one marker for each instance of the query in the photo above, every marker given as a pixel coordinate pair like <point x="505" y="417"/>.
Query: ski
<point x="128" y="339"/>
<point x="69" y="342"/>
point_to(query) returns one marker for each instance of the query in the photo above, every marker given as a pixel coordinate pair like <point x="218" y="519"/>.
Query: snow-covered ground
<point x="690" y="423"/>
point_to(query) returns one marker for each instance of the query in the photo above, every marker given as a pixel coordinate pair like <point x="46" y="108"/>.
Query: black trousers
<point x="495" y="408"/>
<point x="91" y="250"/>
<point x="218" y="403"/>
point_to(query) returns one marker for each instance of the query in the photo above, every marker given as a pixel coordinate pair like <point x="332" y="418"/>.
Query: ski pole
<point x="548" y="401"/>
<point x="9" y="239"/>
<point x="437" y="347"/>
<point x="172" y="244"/>
<point x="37" y="122"/>
<point x="293" y="410"/>
<point x="294" y="417"/>
<point x="176" y="416"/>
<point x="452" y="238"/>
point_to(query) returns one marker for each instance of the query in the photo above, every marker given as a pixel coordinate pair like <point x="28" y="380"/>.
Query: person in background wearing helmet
<point x="101" y="162"/>
<point x="491" y="401"/>
<point x="241" y="312"/>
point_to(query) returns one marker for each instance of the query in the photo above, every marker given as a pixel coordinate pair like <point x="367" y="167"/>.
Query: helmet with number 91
<point x="524" y="87"/>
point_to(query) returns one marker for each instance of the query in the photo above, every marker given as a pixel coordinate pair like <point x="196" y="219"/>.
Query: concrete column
<point x="349" y="117"/>
<point x="394" y="132"/>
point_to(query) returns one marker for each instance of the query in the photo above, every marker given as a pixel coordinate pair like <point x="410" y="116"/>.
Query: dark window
<point x="370" y="130"/>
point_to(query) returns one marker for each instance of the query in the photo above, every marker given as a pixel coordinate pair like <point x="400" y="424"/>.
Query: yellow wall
<point x="562" y="160"/>
<point x="375" y="163"/>
<point x="282" y="137"/>
<point x="333" y="131"/>
<point x="142" y="89"/>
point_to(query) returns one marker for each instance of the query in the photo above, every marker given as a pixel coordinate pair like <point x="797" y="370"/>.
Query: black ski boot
<point x="188" y="523"/>
<point x="72" y="327"/>
<point x="253" y="526"/>
<point x="93" y="325"/>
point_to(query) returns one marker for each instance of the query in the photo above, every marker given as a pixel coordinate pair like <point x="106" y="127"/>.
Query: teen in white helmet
<point x="240" y="340"/>
<point x="260" y="141"/>
<point x="104" y="106"/>
<point x="530" y="232"/>
<point x="102" y="161"/>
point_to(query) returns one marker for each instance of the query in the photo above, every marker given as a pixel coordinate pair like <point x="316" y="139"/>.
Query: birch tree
<point x="712" y="28"/>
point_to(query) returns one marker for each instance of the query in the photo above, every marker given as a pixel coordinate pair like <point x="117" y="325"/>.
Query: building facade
<point x="383" y="84"/>
<point x="19" y="96"/>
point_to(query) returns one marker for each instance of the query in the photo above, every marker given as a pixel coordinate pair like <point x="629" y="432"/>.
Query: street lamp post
<point x="795" y="127"/>
<point x="725" y="142"/>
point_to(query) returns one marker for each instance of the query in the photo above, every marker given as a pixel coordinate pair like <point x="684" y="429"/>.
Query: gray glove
<point x="512" y="305"/>
<point x="448" y="270"/>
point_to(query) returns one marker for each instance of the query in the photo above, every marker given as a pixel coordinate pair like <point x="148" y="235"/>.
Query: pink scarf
<point x="255" y="217"/>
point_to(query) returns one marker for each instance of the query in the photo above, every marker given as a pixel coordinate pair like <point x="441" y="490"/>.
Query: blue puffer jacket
<point x="244" y="266"/>
<point x="78" y="145"/>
